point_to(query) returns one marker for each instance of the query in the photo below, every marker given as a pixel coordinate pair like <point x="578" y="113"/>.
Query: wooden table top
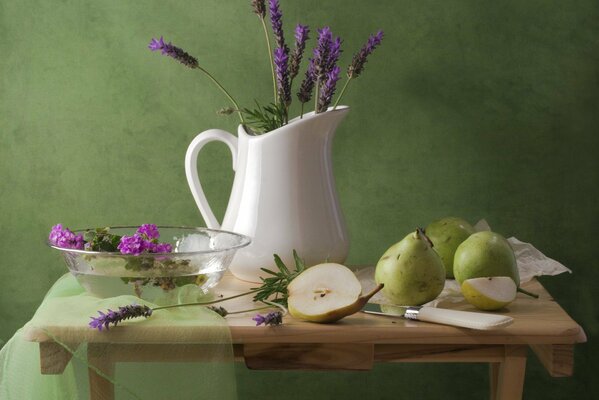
<point x="536" y="321"/>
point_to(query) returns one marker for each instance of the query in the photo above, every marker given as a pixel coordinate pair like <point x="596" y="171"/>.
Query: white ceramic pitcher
<point x="283" y="194"/>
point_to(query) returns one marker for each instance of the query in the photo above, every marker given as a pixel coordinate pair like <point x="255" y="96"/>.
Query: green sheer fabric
<point x="182" y="353"/>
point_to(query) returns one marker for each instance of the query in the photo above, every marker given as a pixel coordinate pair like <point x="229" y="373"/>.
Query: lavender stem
<point x="221" y="87"/>
<point x="205" y="303"/>
<point x="341" y="93"/>
<point x="316" y="95"/>
<point x="272" y="64"/>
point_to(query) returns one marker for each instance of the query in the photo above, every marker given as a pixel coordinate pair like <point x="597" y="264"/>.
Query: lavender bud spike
<point x="282" y="74"/>
<point x="178" y="54"/>
<point x="328" y="89"/>
<point x="114" y="317"/>
<point x="357" y="65"/>
<point x="259" y="8"/>
<point x="276" y="19"/>
<point x="305" y="92"/>
<point x="301" y="36"/>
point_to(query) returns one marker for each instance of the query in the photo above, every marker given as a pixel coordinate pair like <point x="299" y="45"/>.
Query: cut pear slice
<point x="326" y="293"/>
<point x="491" y="293"/>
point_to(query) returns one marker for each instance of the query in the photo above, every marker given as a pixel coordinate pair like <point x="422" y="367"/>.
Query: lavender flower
<point x="272" y="318"/>
<point x="172" y="51"/>
<point x="321" y="53"/>
<point x="259" y="8"/>
<point x="357" y="65"/>
<point x="63" y="237"/>
<point x="301" y="35"/>
<point x="305" y="91"/>
<point x="328" y="89"/>
<point x="276" y="19"/>
<point x="282" y="74"/>
<point x="149" y="230"/>
<point x="334" y="54"/>
<point x="114" y="317"/>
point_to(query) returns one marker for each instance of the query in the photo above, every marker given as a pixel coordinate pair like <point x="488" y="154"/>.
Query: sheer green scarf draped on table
<point x="180" y="353"/>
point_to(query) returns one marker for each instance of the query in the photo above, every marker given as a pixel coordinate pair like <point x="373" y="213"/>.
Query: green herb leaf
<point x="276" y="285"/>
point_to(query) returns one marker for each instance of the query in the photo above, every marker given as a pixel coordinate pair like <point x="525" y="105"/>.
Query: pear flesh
<point x="412" y="272"/>
<point x="447" y="234"/>
<point x="485" y="254"/>
<point x="326" y="293"/>
<point x="492" y="293"/>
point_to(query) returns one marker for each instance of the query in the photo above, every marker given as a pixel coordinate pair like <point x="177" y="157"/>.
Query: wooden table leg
<point x="54" y="358"/>
<point x="507" y="376"/>
<point x="493" y="375"/>
<point x="98" y="356"/>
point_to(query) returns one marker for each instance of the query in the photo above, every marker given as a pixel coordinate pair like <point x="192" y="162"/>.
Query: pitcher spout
<point x="321" y="122"/>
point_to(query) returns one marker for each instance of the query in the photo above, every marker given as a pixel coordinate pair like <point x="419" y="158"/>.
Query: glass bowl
<point x="198" y="261"/>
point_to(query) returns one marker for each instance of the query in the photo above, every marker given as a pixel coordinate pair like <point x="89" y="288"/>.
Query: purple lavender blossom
<point x="276" y="19"/>
<point x="172" y="51"/>
<point x="334" y="54"/>
<point x="357" y="65"/>
<point x="259" y="8"/>
<point x="282" y="74"/>
<point x="305" y="91"/>
<point x="134" y="245"/>
<point x="114" y="317"/>
<point x="149" y="230"/>
<point x="321" y="53"/>
<point x="272" y="318"/>
<point x="63" y="237"/>
<point x="328" y="89"/>
<point x="301" y="36"/>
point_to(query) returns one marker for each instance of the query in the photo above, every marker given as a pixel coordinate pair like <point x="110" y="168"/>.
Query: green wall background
<point x="480" y="109"/>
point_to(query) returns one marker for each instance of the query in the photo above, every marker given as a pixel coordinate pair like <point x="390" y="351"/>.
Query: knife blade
<point x="462" y="319"/>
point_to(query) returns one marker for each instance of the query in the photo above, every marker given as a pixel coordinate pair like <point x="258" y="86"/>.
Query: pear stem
<point x="526" y="292"/>
<point x="374" y="291"/>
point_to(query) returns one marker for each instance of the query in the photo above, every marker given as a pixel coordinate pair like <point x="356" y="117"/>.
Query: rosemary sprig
<point x="267" y="118"/>
<point x="276" y="285"/>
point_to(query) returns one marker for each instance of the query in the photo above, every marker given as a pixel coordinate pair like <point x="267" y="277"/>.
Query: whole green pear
<point x="411" y="271"/>
<point x="485" y="254"/>
<point x="447" y="234"/>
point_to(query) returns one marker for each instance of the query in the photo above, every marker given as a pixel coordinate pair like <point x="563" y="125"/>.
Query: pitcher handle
<point x="191" y="169"/>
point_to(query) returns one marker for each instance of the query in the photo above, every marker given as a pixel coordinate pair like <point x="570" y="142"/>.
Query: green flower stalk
<point x="189" y="61"/>
<point x="259" y="7"/>
<point x="357" y="65"/>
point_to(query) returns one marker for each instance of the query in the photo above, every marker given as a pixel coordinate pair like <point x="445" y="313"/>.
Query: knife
<point x="463" y="319"/>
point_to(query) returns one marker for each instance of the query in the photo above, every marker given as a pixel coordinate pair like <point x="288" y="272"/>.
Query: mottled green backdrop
<point x="480" y="109"/>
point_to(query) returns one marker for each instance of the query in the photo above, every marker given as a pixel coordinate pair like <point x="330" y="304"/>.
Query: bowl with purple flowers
<point x="161" y="264"/>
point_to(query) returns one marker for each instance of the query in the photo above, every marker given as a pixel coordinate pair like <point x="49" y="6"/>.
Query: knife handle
<point x="464" y="319"/>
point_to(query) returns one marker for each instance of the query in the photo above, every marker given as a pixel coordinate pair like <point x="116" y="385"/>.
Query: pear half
<point x="326" y="293"/>
<point x="489" y="293"/>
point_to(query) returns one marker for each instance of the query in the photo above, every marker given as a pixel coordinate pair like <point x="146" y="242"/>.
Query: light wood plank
<point x="309" y="356"/>
<point x="493" y="378"/>
<point x="558" y="359"/>
<point x="510" y="375"/>
<point x="98" y="356"/>
<point x="439" y="353"/>
<point x="54" y="358"/>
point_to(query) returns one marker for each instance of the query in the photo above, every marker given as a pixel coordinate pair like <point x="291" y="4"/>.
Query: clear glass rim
<point x="244" y="241"/>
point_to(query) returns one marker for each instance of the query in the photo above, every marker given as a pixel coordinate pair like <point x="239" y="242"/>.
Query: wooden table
<point x="354" y="343"/>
